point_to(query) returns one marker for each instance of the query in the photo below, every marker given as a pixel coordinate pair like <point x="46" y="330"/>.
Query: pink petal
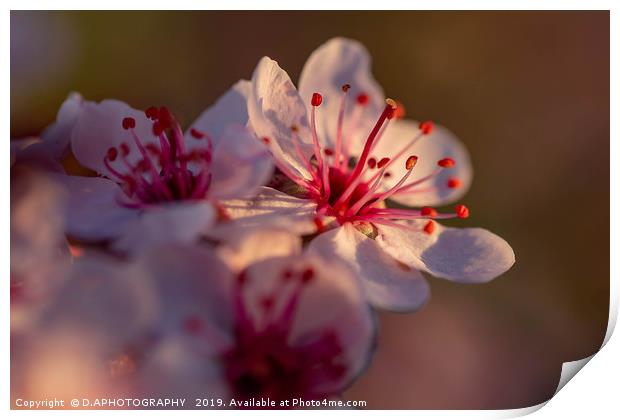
<point x="180" y="222"/>
<point x="247" y="246"/>
<point x="429" y="149"/>
<point x="58" y="135"/>
<point x="471" y="255"/>
<point x="99" y="127"/>
<point x="93" y="212"/>
<point x="388" y="284"/>
<point x="241" y="164"/>
<point x="274" y="107"/>
<point x="269" y="208"/>
<point x="332" y="302"/>
<point x="338" y="62"/>
<point x="230" y="108"/>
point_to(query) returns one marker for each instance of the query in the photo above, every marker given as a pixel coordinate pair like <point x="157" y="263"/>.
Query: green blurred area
<point x="527" y="92"/>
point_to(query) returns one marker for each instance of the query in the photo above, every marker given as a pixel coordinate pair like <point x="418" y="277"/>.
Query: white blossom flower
<point x="158" y="184"/>
<point x="343" y="151"/>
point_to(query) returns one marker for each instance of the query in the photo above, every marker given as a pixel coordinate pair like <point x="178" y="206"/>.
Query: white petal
<point x="274" y="106"/>
<point x="247" y="246"/>
<point x="58" y="135"/>
<point x="191" y="283"/>
<point x="333" y="302"/>
<point x="104" y="296"/>
<point x="182" y="222"/>
<point x="99" y="127"/>
<point x="230" y="108"/>
<point x="92" y="211"/>
<point x="269" y="208"/>
<point x="429" y="149"/>
<point x="387" y="283"/>
<point x="241" y="164"/>
<point x="338" y="62"/>
<point x="176" y="367"/>
<point x="471" y="255"/>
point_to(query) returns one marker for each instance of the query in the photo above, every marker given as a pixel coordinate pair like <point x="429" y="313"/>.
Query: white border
<point x="594" y="394"/>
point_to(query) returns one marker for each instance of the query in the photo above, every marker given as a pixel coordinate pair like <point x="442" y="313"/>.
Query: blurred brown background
<point x="527" y="92"/>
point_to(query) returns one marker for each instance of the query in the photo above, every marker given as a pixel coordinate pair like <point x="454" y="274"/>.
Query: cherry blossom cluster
<point x="243" y="256"/>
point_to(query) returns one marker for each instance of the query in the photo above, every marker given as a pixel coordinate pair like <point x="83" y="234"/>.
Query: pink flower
<point x="343" y="151"/>
<point x="290" y="326"/>
<point x="158" y="184"/>
<point x="39" y="251"/>
<point x="178" y="322"/>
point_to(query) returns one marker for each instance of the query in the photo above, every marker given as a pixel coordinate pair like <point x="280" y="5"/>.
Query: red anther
<point x="429" y="227"/>
<point x="193" y="325"/>
<point x="320" y="226"/>
<point x="266" y="140"/>
<point x="400" y="110"/>
<point x="112" y="154"/>
<point x="346" y="87"/>
<point x="157" y="128"/>
<point x="461" y="211"/>
<point x="362" y="98"/>
<point x="128" y="123"/>
<point x="197" y="134"/>
<point x="124" y="149"/>
<point x="391" y="108"/>
<point x="165" y="117"/>
<point x="428" y="211"/>
<point x="411" y="161"/>
<point x="372" y="162"/>
<point x="307" y="275"/>
<point x="446" y="163"/>
<point x="383" y="162"/>
<point x="152" y="113"/>
<point x="426" y="127"/>
<point x="317" y="99"/>
<point x="454" y="183"/>
<point x="287" y="274"/>
<point x="328" y="152"/>
<point x="152" y="148"/>
<point x="144" y="165"/>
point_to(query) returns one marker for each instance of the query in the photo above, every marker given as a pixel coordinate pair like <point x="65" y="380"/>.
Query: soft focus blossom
<point x="342" y="151"/>
<point x="156" y="183"/>
<point x="79" y="345"/>
<point x="284" y="327"/>
<point x="39" y="251"/>
<point x="178" y="322"/>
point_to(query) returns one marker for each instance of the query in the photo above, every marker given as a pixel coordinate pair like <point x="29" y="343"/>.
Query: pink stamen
<point x="315" y="136"/>
<point x="343" y="102"/>
<point x="375" y="185"/>
<point x="409" y="165"/>
<point x="387" y="113"/>
<point x="143" y="182"/>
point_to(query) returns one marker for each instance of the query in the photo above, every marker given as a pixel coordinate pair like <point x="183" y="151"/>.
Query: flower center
<point x="162" y="173"/>
<point x="353" y="189"/>
<point x="263" y="363"/>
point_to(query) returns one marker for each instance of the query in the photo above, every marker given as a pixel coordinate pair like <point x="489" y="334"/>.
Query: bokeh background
<point x="527" y="92"/>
